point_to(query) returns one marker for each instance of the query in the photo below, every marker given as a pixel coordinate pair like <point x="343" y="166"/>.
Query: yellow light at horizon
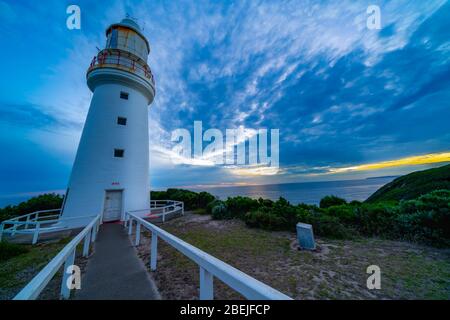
<point x="408" y="161"/>
<point x="257" y="171"/>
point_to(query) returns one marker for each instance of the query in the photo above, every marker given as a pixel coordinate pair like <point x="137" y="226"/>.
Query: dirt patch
<point x="336" y="271"/>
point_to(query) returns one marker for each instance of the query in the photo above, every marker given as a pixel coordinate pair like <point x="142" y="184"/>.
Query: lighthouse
<point x="110" y="174"/>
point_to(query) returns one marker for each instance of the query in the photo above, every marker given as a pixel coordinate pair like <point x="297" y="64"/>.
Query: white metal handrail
<point x="40" y="227"/>
<point x="160" y="208"/>
<point x="67" y="257"/>
<point x="209" y="266"/>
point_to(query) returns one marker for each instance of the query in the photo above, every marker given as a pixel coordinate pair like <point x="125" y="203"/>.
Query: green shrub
<point x="329" y="201"/>
<point x="426" y="219"/>
<point x="42" y="202"/>
<point x="203" y="198"/>
<point x="10" y="250"/>
<point x="329" y="227"/>
<point x="239" y="206"/>
<point x="219" y="211"/>
<point x="264" y="220"/>
<point x="192" y="200"/>
<point x="212" y="204"/>
<point x="375" y="219"/>
<point x="346" y="214"/>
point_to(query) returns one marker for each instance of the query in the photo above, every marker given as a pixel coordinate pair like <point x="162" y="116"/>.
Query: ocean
<point x="306" y="192"/>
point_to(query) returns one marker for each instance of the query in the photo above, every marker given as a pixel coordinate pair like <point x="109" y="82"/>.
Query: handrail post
<point x="14" y="230"/>
<point x="164" y="215"/>
<point x="154" y="251"/>
<point x="87" y="242"/>
<point x="65" y="289"/>
<point x="36" y="233"/>
<point x="26" y="224"/>
<point x="206" y="285"/>
<point x="94" y="233"/>
<point x="130" y="226"/>
<point x="138" y="234"/>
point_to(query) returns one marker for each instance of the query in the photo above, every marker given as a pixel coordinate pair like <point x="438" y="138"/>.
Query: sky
<point x="349" y="102"/>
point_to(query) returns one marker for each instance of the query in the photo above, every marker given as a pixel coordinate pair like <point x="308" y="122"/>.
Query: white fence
<point x="209" y="266"/>
<point x="36" y="223"/>
<point x="160" y="209"/>
<point x="67" y="257"/>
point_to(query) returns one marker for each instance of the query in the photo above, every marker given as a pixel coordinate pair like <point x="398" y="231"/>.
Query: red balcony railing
<point x="127" y="62"/>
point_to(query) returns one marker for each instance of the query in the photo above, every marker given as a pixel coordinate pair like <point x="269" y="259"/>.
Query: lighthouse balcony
<point x="120" y="60"/>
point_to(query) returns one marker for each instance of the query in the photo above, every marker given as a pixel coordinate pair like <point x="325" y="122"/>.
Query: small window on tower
<point x="118" y="153"/>
<point x="122" y="121"/>
<point x="124" y="95"/>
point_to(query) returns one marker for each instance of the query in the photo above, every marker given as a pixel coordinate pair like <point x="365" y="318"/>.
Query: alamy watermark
<point x="374" y="19"/>
<point x="74" y="277"/>
<point x="374" y="280"/>
<point x="240" y="146"/>
<point x="74" y="19"/>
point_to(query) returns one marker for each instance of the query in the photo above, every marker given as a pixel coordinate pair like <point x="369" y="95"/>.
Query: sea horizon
<point x="294" y="192"/>
<point x="303" y="192"/>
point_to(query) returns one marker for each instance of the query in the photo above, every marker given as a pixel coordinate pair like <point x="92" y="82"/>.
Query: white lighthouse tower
<point x="111" y="170"/>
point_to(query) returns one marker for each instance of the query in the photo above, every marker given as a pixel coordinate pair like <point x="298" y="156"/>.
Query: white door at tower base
<point x="113" y="206"/>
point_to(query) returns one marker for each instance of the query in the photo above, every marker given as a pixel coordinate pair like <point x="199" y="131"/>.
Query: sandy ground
<point x="336" y="271"/>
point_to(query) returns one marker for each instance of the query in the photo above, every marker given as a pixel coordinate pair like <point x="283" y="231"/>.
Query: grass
<point x="338" y="271"/>
<point x="16" y="272"/>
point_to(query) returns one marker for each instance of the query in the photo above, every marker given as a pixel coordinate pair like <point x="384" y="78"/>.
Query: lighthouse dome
<point x="130" y="23"/>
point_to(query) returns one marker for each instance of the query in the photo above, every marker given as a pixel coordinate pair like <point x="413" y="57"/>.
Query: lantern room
<point x="127" y="36"/>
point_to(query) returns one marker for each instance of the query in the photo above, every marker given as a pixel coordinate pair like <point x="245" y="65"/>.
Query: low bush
<point x="425" y="220"/>
<point x="265" y="220"/>
<point x="329" y="201"/>
<point x="220" y="212"/>
<point x="42" y="202"/>
<point x="192" y="200"/>
<point x="10" y="250"/>
<point x="239" y="206"/>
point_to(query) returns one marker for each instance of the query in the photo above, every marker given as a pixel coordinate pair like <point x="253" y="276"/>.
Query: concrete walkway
<point x="114" y="271"/>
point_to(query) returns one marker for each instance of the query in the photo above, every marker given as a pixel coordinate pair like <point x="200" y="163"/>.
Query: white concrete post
<point x="130" y="226"/>
<point x="164" y="215"/>
<point x="87" y="242"/>
<point x="138" y="234"/>
<point x="154" y="251"/>
<point x="206" y="285"/>
<point x="36" y="233"/>
<point x="65" y="290"/>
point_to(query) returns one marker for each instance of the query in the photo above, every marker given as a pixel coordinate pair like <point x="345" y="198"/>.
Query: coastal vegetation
<point x="424" y="220"/>
<point x="46" y="201"/>
<point x="413" y="185"/>
<point x="412" y="208"/>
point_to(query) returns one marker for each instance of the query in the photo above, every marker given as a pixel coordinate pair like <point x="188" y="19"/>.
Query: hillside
<point x="413" y="185"/>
